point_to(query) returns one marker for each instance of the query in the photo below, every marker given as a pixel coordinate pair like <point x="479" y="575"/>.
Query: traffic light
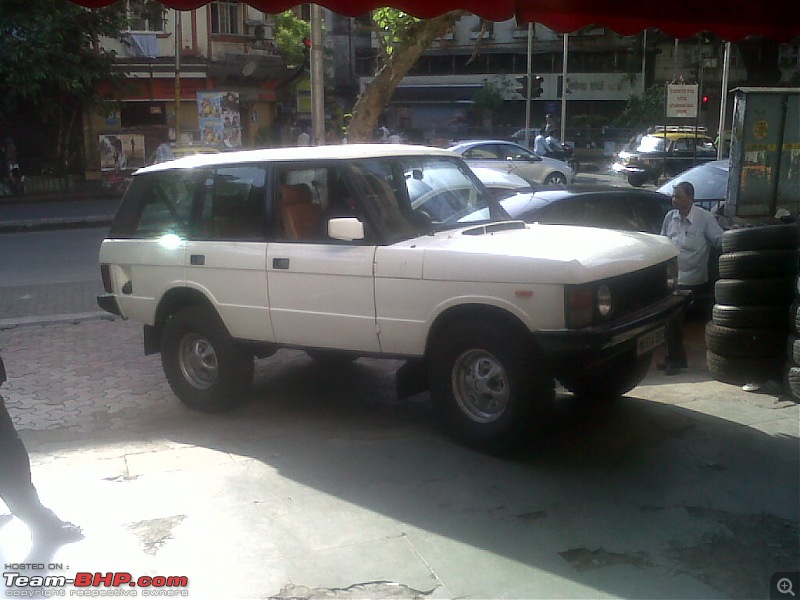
<point x="522" y="85"/>
<point x="307" y="53"/>
<point x="704" y="102"/>
<point x="536" y="88"/>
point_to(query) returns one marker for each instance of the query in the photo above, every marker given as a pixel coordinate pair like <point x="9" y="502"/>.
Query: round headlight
<point x="604" y="300"/>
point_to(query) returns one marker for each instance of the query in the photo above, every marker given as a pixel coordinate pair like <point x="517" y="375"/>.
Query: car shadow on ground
<point x="635" y="498"/>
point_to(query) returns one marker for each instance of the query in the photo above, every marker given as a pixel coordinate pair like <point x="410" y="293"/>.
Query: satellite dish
<point x="249" y="68"/>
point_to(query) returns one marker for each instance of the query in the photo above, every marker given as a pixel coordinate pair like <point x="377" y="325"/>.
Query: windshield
<point x="408" y="195"/>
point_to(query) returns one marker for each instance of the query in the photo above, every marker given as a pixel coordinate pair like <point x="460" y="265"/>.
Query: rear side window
<point x="157" y="204"/>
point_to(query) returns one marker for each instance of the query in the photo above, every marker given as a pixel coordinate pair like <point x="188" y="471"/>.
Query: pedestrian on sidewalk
<point x="16" y="486"/>
<point x="693" y="231"/>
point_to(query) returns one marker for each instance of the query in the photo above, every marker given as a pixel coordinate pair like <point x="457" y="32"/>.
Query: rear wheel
<point x="205" y="368"/>
<point x="487" y="384"/>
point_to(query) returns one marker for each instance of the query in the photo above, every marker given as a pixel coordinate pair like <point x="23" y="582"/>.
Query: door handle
<point x="197" y="260"/>
<point x="280" y="263"/>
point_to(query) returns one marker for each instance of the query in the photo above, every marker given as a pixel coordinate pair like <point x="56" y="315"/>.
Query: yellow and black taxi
<point x="665" y="151"/>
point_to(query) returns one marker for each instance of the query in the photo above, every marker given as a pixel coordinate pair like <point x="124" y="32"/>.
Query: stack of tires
<point x="746" y="340"/>
<point x="791" y="378"/>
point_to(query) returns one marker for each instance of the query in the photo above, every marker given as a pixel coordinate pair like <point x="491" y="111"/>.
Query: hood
<point x="557" y="254"/>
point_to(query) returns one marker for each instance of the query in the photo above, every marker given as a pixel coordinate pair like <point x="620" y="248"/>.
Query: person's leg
<point x="676" y="353"/>
<point x="17" y="489"/>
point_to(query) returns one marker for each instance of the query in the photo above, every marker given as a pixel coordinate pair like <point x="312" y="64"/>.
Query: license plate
<point x="651" y="339"/>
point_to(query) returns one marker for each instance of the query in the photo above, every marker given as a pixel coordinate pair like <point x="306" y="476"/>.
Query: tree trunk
<point x="373" y="101"/>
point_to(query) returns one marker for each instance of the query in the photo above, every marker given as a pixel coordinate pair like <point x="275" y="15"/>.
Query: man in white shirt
<point x="693" y="231"/>
<point x="540" y="145"/>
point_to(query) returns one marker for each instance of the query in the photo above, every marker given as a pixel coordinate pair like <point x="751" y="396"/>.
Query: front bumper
<point x="595" y="344"/>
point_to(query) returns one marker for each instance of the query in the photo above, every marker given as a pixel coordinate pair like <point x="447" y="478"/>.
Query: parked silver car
<point x="513" y="158"/>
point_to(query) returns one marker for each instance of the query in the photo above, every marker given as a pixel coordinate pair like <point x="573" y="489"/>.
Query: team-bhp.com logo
<point x="94" y="584"/>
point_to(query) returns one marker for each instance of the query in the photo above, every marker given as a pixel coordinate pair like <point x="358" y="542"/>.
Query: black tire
<point x="755" y="292"/>
<point x="637" y="180"/>
<point x="739" y="371"/>
<point x="745" y="343"/>
<point x="750" y="317"/>
<point x="759" y="264"/>
<point x="793" y="350"/>
<point x="794" y="317"/>
<point x="791" y="381"/>
<point x="556" y="178"/>
<point x="205" y="368"/>
<point x="765" y="237"/>
<point x="487" y="384"/>
<point x="610" y="379"/>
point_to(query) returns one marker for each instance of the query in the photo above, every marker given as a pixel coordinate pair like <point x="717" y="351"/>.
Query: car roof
<point x="300" y="153"/>
<point x="526" y="202"/>
<point x="676" y="135"/>
<point x="710" y="180"/>
<point x="463" y="145"/>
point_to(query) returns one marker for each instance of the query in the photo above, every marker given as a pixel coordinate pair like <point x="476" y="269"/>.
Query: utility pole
<point x="317" y="77"/>
<point x="564" y="88"/>
<point x="528" y="94"/>
<point x="178" y="34"/>
<point x="723" y="101"/>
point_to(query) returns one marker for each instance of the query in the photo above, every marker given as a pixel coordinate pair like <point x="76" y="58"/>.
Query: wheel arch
<point x="472" y="311"/>
<point x="171" y="302"/>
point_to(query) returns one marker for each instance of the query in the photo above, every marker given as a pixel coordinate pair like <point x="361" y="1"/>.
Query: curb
<point x="55" y="223"/>
<point x="63" y="319"/>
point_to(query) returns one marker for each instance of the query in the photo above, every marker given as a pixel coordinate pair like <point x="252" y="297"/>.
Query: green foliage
<point x="394" y="27"/>
<point x="49" y="60"/>
<point x="645" y="110"/>
<point x="289" y="32"/>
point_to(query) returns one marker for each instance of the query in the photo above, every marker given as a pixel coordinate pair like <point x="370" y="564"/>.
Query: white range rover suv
<point x="386" y="251"/>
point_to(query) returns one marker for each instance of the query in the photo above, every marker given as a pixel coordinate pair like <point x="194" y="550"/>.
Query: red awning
<point x="731" y="20"/>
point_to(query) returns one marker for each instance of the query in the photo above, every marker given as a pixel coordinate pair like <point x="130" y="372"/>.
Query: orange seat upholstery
<point x="299" y="214"/>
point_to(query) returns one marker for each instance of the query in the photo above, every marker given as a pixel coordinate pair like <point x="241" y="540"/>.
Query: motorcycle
<point x="563" y="152"/>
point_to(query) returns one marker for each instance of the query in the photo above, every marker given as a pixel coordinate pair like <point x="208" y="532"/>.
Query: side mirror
<point x="346" y="229"/>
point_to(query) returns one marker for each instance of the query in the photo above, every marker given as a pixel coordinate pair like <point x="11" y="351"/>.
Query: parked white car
<point x="514" y="158"/>
<point x="228" y="257"/>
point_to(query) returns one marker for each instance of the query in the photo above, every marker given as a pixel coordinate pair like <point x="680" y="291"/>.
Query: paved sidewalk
<point x="324" y="485"/>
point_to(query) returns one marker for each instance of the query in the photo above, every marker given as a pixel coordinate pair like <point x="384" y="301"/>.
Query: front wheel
<point x="610" y="379"/>
<point x="205" y="368"/>
<point x="637" y="179"/>
<point x="556" y="179"/>
<point x="487" y="384"/>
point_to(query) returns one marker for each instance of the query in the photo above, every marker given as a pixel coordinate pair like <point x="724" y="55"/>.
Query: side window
<point x="302" y="195"/>
<point x="484" y="152"/>
<point x="233" y="204"/>
<point x="514" y="152"/>
<point x="157" y="204"/>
